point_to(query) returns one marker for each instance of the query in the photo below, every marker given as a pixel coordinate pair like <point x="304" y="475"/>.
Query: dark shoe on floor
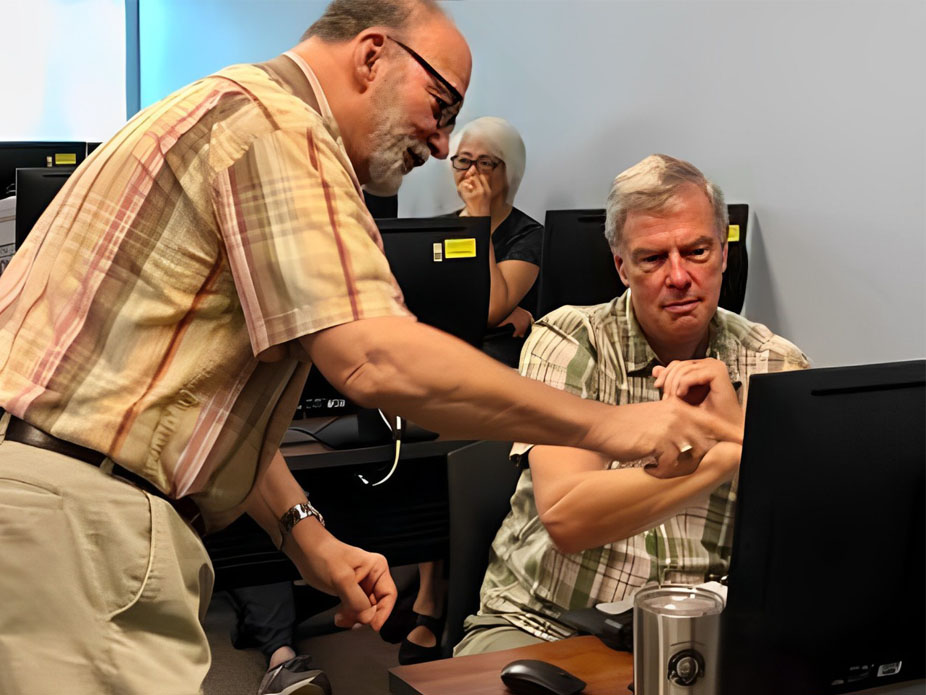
<point x="399" y="623"/>
<point x="411" y="653"/>
<point x="294" y="677"/>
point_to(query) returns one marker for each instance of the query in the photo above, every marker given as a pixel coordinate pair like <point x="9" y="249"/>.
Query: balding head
<point x="394" y="73"/>
<point x="344" y="19"/>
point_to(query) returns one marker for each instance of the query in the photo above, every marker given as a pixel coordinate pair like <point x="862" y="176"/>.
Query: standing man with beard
<point x="158" y="324"/>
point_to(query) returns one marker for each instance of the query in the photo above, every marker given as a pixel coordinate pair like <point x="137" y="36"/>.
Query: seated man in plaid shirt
<point x="583" y="528"/>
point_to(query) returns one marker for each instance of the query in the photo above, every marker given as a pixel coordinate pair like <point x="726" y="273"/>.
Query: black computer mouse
<point x="534" y="677"/>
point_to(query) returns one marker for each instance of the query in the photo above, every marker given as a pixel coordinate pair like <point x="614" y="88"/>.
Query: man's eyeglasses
<point x="484" y="165"/>
<point x="447" y="115"/>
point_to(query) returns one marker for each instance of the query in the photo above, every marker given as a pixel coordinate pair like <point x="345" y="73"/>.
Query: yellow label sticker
<point x="459" y="248"/>
<point x="733" y="234"/>
<point x="63" y="158"/>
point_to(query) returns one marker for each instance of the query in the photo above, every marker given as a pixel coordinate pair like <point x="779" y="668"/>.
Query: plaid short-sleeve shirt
<point x="599" y="352"/>
<point x="219" y="222"/>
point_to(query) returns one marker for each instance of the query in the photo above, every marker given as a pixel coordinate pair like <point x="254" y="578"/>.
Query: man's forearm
<point x="594" y="508"/>
<point x="275" y="491"/>
<point x="445" y="385"/>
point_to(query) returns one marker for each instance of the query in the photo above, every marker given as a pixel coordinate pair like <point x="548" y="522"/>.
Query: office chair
<point x="577" y="265"/>
<point x="480" y="482"/>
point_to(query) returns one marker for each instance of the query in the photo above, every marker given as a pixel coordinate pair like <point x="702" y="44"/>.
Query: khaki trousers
<point x="489" y="633"/>
<point x="102" y="586"/>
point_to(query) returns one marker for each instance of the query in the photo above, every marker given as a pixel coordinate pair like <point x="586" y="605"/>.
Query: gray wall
<point x="812" y="112"/>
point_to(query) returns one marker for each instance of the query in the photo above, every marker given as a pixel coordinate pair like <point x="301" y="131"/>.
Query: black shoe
<point x="399" y="623"/>
<point x="402" y="619"/>
<point x="294" y="677"/>
<point x="411" y="653"/>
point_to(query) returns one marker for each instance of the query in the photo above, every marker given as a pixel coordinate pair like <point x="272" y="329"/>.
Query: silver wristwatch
<point x="297" y="513"/>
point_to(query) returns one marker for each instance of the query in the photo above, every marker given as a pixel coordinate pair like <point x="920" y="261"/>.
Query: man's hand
<point x="521" y="319"/>
<point x="704" y="382"/>
<point x="676" y="434"/>
<point x="476" y="195"/>
<point x="360" y="579"/>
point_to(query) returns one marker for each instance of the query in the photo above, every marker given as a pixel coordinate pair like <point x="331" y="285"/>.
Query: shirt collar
<point x="325" y="109"/>
<point x="640" y="357"/>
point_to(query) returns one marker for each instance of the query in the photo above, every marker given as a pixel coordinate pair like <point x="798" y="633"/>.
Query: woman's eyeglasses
<point x="484" y="165"/>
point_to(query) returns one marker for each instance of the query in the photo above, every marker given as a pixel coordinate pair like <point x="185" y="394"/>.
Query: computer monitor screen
<point x="35" y="189"/>
<point x="827" y="578"/>
<point x="442" y="266"/>
<point x="577" y="265"/>
<point x="17" y="155"/>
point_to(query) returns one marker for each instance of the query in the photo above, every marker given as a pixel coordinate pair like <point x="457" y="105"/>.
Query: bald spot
<point x="436" y="39"/>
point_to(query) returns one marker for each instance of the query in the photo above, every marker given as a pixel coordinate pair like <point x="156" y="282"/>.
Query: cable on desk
<point x="303" y="430"/>
<point x="397" y="432"/>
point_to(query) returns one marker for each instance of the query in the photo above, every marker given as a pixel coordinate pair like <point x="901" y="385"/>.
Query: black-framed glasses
<point x="484" y="165"/>
<point x="447" y="115"/>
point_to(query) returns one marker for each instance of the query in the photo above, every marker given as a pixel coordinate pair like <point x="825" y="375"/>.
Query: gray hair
<point x="503" y="142"/>
<point x="342" y="20"/>
<point x="650" y="185"/>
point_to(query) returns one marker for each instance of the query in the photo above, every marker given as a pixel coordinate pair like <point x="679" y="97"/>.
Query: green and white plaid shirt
<point x="599" y="352"/>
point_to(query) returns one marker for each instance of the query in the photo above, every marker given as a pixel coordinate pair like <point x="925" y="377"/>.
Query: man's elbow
<point x="369" y="384"/>
<point x="565" y="533"/>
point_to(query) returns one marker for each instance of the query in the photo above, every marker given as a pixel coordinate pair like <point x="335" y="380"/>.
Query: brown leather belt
<point x="24" y="433"/>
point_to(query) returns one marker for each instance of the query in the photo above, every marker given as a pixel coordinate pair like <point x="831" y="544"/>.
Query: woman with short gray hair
<point x="488" y="159"/>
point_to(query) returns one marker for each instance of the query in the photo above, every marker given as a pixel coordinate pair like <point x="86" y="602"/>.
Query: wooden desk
<point x="606" y="671"/>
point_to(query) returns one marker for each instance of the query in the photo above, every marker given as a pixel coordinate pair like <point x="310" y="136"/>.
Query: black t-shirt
<point x="519" y="238"/>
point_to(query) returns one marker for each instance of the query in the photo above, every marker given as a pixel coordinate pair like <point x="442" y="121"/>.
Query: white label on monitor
<point x="889" y="669"/>
<point x="438" y="252"/>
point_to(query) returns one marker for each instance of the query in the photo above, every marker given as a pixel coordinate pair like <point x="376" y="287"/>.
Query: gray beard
<point x="387" y="162"/>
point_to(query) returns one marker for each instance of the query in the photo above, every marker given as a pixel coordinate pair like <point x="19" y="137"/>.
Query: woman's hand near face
<point x="476" y="195"/>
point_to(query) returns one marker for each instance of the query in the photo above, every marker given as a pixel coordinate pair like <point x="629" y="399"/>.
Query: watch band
<point x="297" y="513"/>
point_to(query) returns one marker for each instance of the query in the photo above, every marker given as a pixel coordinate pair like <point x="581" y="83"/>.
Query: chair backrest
<point x="733" y="289"/>
<point x="577" y="265"/>
<point x="480" y="481"/>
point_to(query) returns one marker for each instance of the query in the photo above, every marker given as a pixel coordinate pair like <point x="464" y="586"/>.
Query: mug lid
<point x="679" y="601"/>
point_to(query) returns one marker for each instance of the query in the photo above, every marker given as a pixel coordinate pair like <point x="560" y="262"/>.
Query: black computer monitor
<point x="381" y="207"/>
<point x="16" y="155"/>
<point x="827" y="578"/>
<point x="577" y="266"/>
<point x="442" y="266"/>
<point x="35" y="189"/>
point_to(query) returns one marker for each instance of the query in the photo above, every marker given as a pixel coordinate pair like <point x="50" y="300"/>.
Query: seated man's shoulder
<point x="758" y="338"/>
<point x="573" y="321"/>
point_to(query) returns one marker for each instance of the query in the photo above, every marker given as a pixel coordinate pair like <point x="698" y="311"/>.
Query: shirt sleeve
<point x="304" y="252"/>
<point x="525" y="244"/>
<point x="560" y="353"/>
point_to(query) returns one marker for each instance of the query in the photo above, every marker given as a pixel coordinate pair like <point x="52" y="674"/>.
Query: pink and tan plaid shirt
<point x="217" y="223"/>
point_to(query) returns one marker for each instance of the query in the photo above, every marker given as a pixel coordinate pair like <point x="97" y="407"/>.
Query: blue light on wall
<point x="65" y="76"/>
<point x="181" y="41"/>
